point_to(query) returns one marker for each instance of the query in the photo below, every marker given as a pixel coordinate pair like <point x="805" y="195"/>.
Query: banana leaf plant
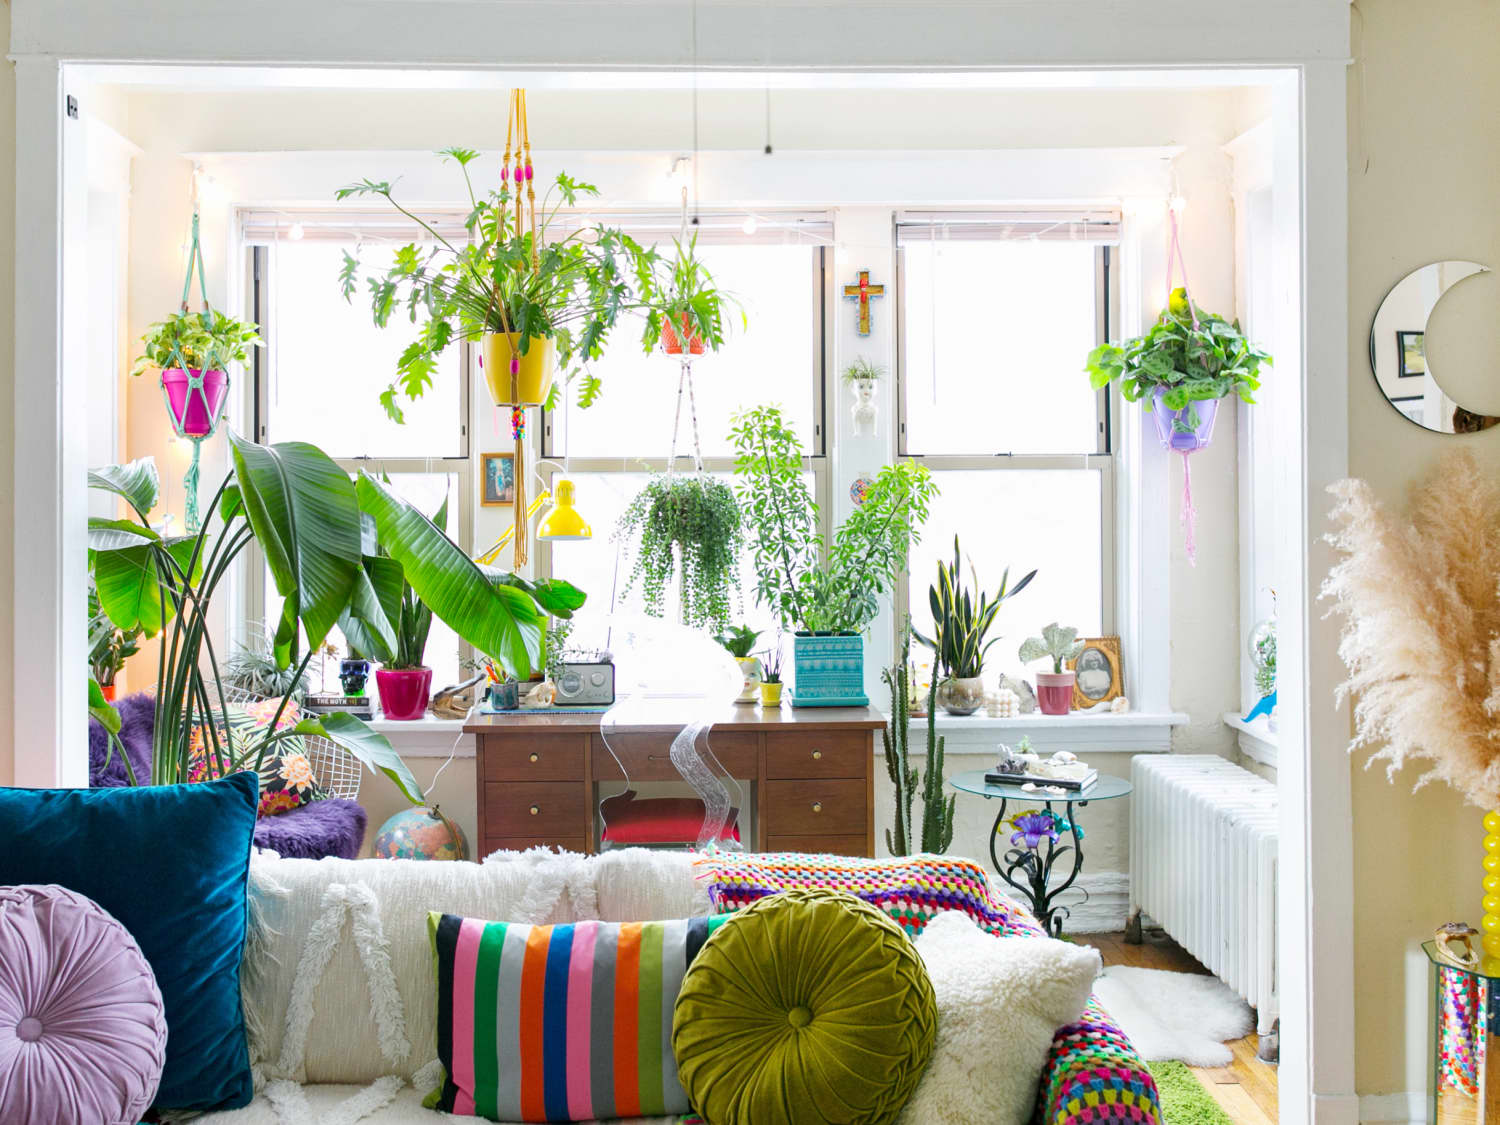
<point x="959" y="622"/>
<point x="304" y="513"/>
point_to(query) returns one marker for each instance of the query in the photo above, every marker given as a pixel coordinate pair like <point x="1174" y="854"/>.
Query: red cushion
<point x="658" y="820"/>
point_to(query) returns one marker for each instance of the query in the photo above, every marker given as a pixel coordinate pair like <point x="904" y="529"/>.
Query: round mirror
<point x="1398" y="350"/>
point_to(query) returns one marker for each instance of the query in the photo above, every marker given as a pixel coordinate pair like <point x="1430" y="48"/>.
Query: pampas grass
<point x="1420" y="598"/>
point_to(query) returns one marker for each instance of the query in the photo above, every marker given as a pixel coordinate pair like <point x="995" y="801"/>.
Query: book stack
<point x="1064" y="775"/>
<point x="328" y="703"/>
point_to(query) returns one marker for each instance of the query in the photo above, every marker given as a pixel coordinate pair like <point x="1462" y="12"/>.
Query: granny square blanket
<point x="1093" y="1075"/>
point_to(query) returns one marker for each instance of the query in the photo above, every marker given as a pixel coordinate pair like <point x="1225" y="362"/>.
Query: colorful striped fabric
<point x="560" y="1023"/>
<point x="1093" y="1075"/>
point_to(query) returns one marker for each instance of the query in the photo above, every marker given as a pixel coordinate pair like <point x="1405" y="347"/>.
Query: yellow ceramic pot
<point x="770" y="694"/>
<point x="534" y="380"/>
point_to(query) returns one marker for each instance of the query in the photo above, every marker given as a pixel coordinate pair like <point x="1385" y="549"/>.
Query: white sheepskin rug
<point x="999" y="1001"/>
<point x="1182" y="1016"/>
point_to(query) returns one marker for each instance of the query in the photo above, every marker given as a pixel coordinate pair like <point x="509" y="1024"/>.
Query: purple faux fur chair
<point x="332" y="827"/>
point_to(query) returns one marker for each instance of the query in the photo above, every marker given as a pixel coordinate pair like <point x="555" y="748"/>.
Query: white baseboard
<point x="1409" y="1108"/>
<point x="1107" y="906"/>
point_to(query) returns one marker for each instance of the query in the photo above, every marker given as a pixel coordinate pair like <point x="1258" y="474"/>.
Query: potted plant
<point x="738" y="641"/>
<point x="959" y="627"/>
<point x="686" y="308"/>
<point x="828" y="602"/>
<point x="1180" y="369"/>
<point x="109" y="646"/>
<point x="863" y="376"/>
<point x="537" y="303"/>
<point x="688" y="527"/>
<point x="189" y="347"/>
<point x="770" y="681"/>
<point x="1054" y="689"/>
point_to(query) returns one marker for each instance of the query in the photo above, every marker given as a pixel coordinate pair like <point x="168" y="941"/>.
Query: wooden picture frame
<point x="1098" y="656"/>
<point x="497" y="480"/>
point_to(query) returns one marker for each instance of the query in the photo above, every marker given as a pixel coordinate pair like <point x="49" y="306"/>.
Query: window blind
<point x="916" y="227"/>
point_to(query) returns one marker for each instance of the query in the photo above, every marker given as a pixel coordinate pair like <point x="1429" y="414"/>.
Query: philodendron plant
<point x="1058" y="642"/>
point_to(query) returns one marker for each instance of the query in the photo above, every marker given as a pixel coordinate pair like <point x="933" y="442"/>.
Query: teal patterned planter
<point x="828" y="670"/>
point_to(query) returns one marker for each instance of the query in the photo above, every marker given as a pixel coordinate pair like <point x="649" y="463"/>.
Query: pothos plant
<point x="196" y="340"/>
<point x="571" y="289"/>
<point x="1191" y="355"/>
<point x="867" y="553"/>
<point x="689" y="527"/>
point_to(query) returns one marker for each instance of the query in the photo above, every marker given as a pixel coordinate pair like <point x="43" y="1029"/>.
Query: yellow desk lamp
<point x="563" y="523"/>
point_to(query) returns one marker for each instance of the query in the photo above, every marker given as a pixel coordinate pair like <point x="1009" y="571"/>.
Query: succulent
<point x="1059" y="642"/>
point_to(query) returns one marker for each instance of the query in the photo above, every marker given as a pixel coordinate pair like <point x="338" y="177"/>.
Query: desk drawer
<point x="818" y="845"/>
<point x="542" y="758"/>
<point x="840" y="753"/>
<point x="554" y="809"/>
<point x="648" y="757"/>
<point x="814" y="808"/>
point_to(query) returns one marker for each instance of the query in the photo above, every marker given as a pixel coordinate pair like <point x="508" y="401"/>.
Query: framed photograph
<point x="1098" y="676"/>
<point x="498" y="473"/>
<point x="1411" y="354"/>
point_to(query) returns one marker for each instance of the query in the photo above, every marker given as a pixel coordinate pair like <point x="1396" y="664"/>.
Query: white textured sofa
<point x="340" y="998"/>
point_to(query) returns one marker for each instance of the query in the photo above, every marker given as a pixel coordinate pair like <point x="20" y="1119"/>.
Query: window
<point x="323" y="366"/>
<point x="997" y="312"/>
<point x="777" y="274"/>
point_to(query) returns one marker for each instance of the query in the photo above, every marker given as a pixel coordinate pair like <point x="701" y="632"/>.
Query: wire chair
<point x="336" y="770"/>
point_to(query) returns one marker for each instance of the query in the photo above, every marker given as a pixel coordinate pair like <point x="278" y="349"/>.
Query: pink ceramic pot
<point x="1054" y="692"/>
<point x="194" y="412"/>
<point x="404" y="692"/>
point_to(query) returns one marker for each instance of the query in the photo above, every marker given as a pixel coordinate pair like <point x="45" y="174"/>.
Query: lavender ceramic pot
<point x="1187" y="430"/>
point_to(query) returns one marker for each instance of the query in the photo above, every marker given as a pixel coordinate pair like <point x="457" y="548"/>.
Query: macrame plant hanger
<point x="1189" y="513"/>
<point x="684" y="377"/>
<point x="212" y="362"/>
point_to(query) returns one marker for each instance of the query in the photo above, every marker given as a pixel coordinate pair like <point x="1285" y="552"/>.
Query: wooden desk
<point x="812" y="770"/>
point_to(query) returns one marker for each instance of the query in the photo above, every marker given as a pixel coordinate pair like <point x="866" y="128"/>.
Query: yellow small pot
<point x="770" y="694"/>
<point x="534" y="380"/>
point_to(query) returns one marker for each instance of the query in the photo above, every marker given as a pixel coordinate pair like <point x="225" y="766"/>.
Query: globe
<point x="421" y="833"/>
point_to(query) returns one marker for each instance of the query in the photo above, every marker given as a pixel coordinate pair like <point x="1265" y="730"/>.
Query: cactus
<point x="937" y="812"/>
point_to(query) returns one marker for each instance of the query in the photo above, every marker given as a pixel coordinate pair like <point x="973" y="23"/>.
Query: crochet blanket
<point x="1093" y="1075"/>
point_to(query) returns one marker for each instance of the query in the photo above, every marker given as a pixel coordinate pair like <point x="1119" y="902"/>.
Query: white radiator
<point x="1203" y="864"/>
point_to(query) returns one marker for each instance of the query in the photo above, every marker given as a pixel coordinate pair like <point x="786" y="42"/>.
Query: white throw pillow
<point x="999" y="1001"/>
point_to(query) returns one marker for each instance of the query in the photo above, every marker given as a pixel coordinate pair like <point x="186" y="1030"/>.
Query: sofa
<point x="340" y="1004"/>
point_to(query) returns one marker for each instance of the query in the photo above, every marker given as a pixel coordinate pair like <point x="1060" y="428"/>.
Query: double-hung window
<point x="998" y="312"/>
<point x="324" y="363"/>
<point x="777" y="271"/>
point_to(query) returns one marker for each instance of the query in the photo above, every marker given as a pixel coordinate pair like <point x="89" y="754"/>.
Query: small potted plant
<point x="1054" y="689"/>
<point x="863" y="376"/>
<point x="1180" y="369"/>
<point x="109" y="646"/>
<point x="686" y="310"/>
<point x="738" y="641"/>
<point x="959" y="627"/>
<point x="192" y="347"/>
<point x="770" y="681"/>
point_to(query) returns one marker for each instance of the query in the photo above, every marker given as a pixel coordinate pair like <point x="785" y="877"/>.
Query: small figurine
<point x="1023" y="692"/>
<point x="1120" y="706"/>
<point x="1459" y="933"/>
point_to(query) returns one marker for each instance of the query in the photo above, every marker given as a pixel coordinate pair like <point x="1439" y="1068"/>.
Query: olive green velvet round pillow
<point x="810" y="1006"/>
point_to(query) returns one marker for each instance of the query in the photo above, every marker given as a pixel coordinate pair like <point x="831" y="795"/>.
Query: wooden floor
<point x="1246" y="1089"/>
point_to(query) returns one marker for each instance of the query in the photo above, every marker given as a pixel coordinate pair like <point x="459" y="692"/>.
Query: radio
<point x="586" y="685"/>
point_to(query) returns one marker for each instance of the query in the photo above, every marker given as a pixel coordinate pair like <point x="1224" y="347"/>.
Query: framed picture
<point x="1411" y="354"/>
<point x="1098" y="677"/>
<point x="498" y="472"/>
<point x="1412" y="406"/>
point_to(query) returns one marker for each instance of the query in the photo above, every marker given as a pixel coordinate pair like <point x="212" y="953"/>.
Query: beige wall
<point x="7" y="392"/>
<point x="1424" y="167"/>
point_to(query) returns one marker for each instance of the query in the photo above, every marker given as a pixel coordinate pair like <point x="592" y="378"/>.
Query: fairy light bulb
<point x="749" y="226"/>
<point x="295" y="233"/>
<point x="1177" y="204"/>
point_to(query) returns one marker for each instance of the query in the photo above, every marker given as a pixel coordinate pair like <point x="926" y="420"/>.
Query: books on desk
<point x="1076" y="776"/>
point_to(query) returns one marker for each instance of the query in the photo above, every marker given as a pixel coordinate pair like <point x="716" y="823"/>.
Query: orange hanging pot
<point x="534" y="378"/>
<point x="675" y="343"/>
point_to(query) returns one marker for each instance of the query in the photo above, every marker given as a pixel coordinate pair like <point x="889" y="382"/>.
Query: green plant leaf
<point x="102" y="709"/>
<point x="106" y="535"/>
<point x="128" y="583"/>
<point x="369" y="622"/>
<point x="305" y="516"/>
<point x="137" y="481"/>
<point x="369" y="746"/>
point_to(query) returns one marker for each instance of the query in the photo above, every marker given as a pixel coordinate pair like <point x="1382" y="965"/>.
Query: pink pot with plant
<point x="195" y="413"/>
<point x="1054" y="689"/>
<point x="404" y="692"/>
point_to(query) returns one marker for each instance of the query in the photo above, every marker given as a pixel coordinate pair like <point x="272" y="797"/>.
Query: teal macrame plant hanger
<point x="195" y="396"/>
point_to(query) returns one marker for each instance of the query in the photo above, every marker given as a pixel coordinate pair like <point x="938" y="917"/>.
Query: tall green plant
<point x="868" y="551"/>
<point x="937" y="810"/>
<point x="690" y="524"/>
<point x="959" y="623"/>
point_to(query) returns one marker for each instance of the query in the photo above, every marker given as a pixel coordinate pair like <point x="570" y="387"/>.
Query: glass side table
<point x="1031" y="863"/>
<point x="1465" y="1083"/>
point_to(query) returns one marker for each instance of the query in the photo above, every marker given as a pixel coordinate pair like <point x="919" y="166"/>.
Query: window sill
<point x="427" y="737"/>
<point x="1256" y="738"/>
<point x="1135" y="732"/>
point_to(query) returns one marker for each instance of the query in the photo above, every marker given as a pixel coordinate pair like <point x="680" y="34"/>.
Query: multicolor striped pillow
<point x="560" y="1023"/>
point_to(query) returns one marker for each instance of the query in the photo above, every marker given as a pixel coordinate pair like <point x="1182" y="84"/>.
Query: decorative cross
<point x="862" y="292"/>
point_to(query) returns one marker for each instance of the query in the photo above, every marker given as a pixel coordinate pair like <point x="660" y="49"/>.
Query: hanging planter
<point x="687" y="528"/>
<point x="195" y="398"/>
<point x="672" y="342"/>
<point x="535" y="368"/>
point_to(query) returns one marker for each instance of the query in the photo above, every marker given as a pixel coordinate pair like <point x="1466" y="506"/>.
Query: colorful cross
<point x="862" y="292"/>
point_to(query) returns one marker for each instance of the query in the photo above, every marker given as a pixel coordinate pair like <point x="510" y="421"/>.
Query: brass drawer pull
<point x="817" y="806"/>
<point x="536" y="758"/>
<point x="817" y="755"/>
<point x="535" y="809"/>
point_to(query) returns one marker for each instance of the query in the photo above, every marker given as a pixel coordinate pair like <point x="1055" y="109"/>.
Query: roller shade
<point x="916" y="227"/>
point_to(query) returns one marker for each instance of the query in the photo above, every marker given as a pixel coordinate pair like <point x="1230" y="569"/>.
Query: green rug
<point x="1184" y="1101"/>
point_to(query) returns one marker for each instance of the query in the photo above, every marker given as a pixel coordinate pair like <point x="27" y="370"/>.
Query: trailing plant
<point x="868" y="551"/>
<point x="1057" y="642"/>
<point x="959" y="623"/>
<point x="738" y="640"/>
<point x="863" y="369"/>
<point x="1195" y="356"/>
<point x="253" y="668"/>
<point x="937" y="812"/>
<point x="196" y="340"/>
<point x="504" y="278"/>
<point x="682" y="293"/>
<point x="109" y="645"/>
<point x="689" y="527"/>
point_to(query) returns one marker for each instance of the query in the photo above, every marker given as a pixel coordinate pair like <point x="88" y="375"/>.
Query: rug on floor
<point x="1187" y="1017"/>
<point x="1184" y="1101"/>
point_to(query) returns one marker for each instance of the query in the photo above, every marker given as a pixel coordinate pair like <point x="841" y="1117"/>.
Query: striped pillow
<point x="560" y="1023"/>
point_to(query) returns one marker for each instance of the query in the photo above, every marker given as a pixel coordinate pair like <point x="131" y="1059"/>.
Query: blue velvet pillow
<point x="171" y="862"/>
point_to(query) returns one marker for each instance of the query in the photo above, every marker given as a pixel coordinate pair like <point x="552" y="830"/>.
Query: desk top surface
<point x="743" y="717"/>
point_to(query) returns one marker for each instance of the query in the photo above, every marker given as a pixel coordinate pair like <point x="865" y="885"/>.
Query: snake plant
<point x="960" y="621"/>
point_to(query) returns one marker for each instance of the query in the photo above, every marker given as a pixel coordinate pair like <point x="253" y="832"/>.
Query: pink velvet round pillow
<point x="82" y="1032"/>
